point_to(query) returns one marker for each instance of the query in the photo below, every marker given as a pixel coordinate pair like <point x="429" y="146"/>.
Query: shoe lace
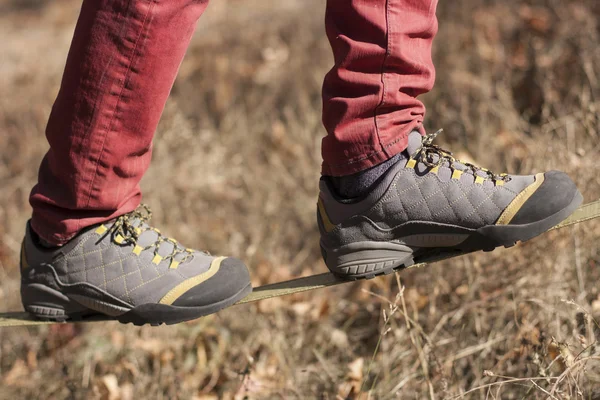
<point x="131" y="226"/>
<point x="428" y="150"/>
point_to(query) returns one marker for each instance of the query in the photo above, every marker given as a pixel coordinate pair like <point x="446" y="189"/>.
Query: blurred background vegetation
<point x="239" y="143"/>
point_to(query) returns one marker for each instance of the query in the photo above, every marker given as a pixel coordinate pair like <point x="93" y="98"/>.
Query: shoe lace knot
<point x="128" y="228"/>
<point x="432" y="155"/>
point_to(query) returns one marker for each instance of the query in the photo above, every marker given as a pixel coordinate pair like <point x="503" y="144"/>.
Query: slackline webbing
<point x="584" y="213"/>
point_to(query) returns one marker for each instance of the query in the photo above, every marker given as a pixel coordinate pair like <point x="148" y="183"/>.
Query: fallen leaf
<point x="301" y="308"/>
<point x="18" y="372"/>
<point x="127" y="392"/>
<point x="355" y="369"/>
<point x="462" y="290"/>
<point x="32" y="359"/>
<point x="339" y="338"/>
<point x="110" y="388"/>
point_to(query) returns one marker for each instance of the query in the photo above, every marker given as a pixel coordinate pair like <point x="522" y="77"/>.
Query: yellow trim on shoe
<point x="518" y="202"/>
<point x="456" y="174"/>
<point x="24" y="264"/>
<point x="137" y="250"/>
<point x="324" y="217"/>
<point x="411" y="163"/>
<point x="157" y="259"/>
<point x="101" y="230"/>
<point x="435" y="169"/>
<point x="186" y="285"/>
<point x="479" y="180"/>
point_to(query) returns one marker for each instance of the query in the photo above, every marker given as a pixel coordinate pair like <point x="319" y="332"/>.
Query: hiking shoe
<point x="430" y="206"/>
<point x="128" y="271"/>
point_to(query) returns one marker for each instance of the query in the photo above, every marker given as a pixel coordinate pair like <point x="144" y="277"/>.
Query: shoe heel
<point x="367" y="260"/>
<point x="46" y="303"/>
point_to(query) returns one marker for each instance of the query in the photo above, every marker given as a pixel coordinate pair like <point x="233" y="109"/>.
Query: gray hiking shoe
<point x="430" y="205"/>
<point x="128" y="271"/>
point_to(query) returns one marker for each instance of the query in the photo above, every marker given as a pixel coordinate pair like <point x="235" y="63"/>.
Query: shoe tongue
<point x="414" y="142"/>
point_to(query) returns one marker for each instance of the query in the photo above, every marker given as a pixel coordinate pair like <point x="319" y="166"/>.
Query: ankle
<point x="40" y="241"/>
<point x="357" y="185"/>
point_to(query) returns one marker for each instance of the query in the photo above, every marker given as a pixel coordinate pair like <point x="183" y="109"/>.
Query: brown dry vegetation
<point x="235" y="171"/>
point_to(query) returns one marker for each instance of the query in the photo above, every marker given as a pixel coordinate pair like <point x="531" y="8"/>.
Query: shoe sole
<point x="48" y="304"/>
<point x="367" y="260"/>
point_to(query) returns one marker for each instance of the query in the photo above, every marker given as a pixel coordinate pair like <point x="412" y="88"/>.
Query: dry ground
<point x="517" y="90"/>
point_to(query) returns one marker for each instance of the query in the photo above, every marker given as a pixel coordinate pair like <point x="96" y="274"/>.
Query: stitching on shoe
<point x="103" y="270"/>
<point x="447" y="201"/>
<point x="404" y="216"/>
<point x="94" y="268"/>
<point x="151" y="280"/>
<point x="70" y="254"/>
<point x="493" y="199"/>
<point x="89" y="253"/>
<point x="139" y="269"/>
<point x="137" y="266"/>
<point x="392" y="192"/>
<point x="438" y="191"/>
<point x="488" y="199"/>
<point x="485" y="200"/>
<point x="84" y="266"/>
<point x="465" y="195"/>
<point x="472" y="205"/>
<point x="458" y="199"/>
<point x="126" y="274"/>
<point x="419" y="202"/>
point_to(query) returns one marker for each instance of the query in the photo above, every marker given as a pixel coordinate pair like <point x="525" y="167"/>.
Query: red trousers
<point x="122" y="64"/>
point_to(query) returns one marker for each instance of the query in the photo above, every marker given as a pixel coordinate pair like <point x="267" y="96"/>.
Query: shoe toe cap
<point x="556" y="193"/>
<point x="231" y="279"/>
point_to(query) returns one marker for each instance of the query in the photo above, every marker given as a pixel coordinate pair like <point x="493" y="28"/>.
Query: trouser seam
<point x="125" y="80"/>
<point x="383" y="80"/>
<point x="90" y="127"/>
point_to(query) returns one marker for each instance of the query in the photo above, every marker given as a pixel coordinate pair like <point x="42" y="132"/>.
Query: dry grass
<point x="239" y="146"/>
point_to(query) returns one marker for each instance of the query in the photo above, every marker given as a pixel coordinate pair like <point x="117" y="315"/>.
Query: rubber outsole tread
<point x="388" y="271"/>
<point x="52" y="314"/>
<point x="488" y="244"/>
<point x="375" y="274"/>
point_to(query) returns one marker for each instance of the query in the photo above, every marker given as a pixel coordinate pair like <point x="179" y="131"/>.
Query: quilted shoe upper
<point x="442" y="192"/>
<point x="134" y="272"/>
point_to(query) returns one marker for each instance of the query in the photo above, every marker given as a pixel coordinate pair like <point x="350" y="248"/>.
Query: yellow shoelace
<point x="131" y="226"/>
<point x="426" y="153"/>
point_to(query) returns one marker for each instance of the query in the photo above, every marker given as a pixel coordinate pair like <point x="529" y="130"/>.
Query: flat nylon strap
<point x="584" y="213"/>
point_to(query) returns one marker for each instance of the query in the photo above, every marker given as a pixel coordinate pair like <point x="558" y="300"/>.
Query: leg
<point x="121" y="67"/>
<point x="382" y="52"/>
<point x="408" y="200"/>
<point x="120" y="70"/>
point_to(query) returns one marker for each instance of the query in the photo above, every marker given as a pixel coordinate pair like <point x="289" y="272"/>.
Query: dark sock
<point x="41" y="242"/>
<point x="358" y="184"/>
